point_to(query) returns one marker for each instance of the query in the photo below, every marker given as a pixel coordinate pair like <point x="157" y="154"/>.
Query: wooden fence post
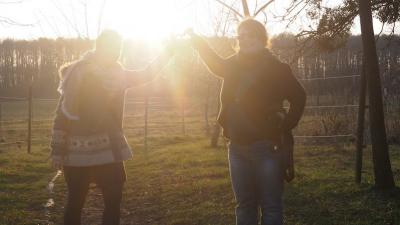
<point x="146" y="110"/>
<point x="29" y="141"/>
<point x="183" y="116"/>
<point x="360" y="125"/>
<point x="1" y="124"/>
<point x="206" y="106"/>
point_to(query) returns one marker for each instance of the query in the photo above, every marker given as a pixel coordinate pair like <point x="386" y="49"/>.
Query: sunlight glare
<point x="149" y="20"/>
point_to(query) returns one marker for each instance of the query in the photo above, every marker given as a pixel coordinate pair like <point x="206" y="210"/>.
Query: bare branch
<point x="74" y="27"/>
<point x="263" y="7"/>
<point x="53" y="27"/>
<point x="86" y="18"/>
<point x="380" y="32"/>
<point x="393" y="28"/>
<point x="245" y="8"/>
<point x="11" y="2"/>
<point x="8" y="21"/>
<point x="255" y="7"/>
<point x="294" y="17"/>
<point x="265" y="17"/>
<point x="230" y="8"/>
<point x="73" y="15"/>
<point x="100" y="19"/>
<point x="292" y="7"/>
<point x="226" y="23"/>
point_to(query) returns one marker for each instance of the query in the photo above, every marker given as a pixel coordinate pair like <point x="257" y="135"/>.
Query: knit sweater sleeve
<point x="58" y="144"/>
<point x="296" y="96"/>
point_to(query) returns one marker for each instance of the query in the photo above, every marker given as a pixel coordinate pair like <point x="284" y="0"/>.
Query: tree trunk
<point x="380" y="152"/>
<point x="245" y="8"/>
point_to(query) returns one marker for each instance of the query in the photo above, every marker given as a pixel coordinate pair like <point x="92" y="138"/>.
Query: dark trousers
<point x="109" y="178"/>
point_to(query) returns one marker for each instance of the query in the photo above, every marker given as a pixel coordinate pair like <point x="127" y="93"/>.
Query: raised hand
<point x="190" y="32"/>
<point x="196" y="40"/>
<point x="171" y="46"/>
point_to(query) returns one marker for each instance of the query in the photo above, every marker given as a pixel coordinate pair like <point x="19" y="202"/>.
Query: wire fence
<point x="146" y="118"/>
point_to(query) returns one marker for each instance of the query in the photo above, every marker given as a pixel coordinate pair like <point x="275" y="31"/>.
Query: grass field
<point x="180" y="180"/>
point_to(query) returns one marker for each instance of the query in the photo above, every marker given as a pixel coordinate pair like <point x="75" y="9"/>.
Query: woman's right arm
<point x="148" y="74"/>
<point x="215" y="63"/>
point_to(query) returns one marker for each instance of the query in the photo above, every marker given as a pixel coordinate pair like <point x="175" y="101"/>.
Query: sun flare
<point x="145" y="19"/>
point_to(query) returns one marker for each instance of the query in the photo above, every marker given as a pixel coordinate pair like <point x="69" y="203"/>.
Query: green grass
<point x="180" y="180"/>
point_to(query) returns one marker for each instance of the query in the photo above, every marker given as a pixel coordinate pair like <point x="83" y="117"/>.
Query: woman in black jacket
<point x="255" y="85"/>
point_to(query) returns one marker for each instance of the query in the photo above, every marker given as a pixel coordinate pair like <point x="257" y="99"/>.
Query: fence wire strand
<point x="159" y="106"/>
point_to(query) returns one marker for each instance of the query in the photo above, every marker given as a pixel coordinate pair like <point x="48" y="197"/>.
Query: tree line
<point x="22" y="61"/>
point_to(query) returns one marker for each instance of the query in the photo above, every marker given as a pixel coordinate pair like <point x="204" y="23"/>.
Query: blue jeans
<point x="257" y="182"/>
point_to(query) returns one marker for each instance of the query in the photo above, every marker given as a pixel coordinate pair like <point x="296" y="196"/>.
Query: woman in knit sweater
<point x="88" y="143"/>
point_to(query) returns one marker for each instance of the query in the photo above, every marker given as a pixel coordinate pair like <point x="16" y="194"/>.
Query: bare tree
<point x="245" y="8"/>
<point x="79" y="22"/>
<point x="9" y="21"/>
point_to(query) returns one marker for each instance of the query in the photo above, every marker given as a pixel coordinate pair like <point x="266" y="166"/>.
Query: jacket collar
<point x="256" y="59"/>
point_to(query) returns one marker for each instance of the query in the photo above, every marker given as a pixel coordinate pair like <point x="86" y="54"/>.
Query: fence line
<point x="324" y="136"/>
<point x="1" y="121"/>
<point x="13" y="143"/>
<point x="330" y="106"/>
<point x="174" y="124"/>
<point x="142" y="102"/>
<point x="329" y="78"/>
<point x="157" y="104"/>
<point x="13" y="99"/>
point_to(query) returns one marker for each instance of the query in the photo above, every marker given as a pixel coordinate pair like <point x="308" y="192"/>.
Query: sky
<point x="137" y="19"/>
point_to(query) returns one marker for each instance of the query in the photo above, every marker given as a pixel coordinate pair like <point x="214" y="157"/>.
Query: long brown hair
<point x="63" y="70"/>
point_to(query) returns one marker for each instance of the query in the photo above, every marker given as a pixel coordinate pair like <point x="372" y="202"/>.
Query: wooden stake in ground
<point x="29" y="141"/>
<point x="207" y="125"/>
<point x="380" y="152"/>
<point x="360" y="125"/>
<point x="183" y="105"/>
<point x="1" y="124"/>
<point x="146" y="110"/>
